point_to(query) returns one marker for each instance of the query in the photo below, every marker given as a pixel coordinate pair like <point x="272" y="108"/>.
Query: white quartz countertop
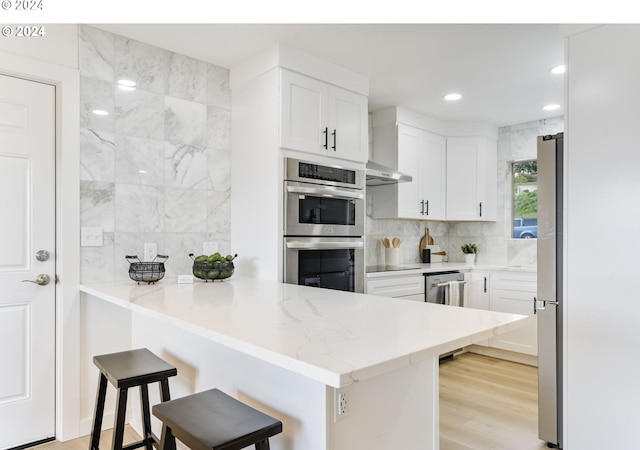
<point x="333" y="337"/>
<point x="421" y="268"/>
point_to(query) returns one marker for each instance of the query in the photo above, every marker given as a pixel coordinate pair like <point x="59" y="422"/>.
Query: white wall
<point x="176" y="126"/>
<point x="603" y="213"/>
<point x="59" y="45"/>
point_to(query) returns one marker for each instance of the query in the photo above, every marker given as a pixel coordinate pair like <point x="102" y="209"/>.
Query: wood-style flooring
<point x="485" y="404"/>
<point x="488" y="404"/>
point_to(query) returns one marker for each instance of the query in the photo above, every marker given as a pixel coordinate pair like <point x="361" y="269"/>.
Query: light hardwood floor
<point x="485" y="404"/>
<point x="488" y="404"/>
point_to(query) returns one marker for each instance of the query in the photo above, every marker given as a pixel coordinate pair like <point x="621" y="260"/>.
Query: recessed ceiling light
<point x="100" y="112"/>
<point x="551" y="107"/>
<point x="452" y="97"/>
<point x="127" y="85"/>
<point x="125" y="82"/>
<point x="559" y="69"/>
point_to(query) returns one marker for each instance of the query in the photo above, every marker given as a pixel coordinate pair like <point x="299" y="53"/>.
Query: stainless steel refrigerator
<point x="548" y="303"/>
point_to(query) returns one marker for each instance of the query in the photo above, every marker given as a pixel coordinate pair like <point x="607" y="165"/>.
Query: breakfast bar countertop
<point x="333" y="337"/>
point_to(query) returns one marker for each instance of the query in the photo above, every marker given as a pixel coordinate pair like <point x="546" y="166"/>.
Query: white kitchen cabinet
<point x="321" y="118"/>
<point x="420" y="154"/>
<point x="513" y="292"/>
<point x="478" y="294"/>
<point x="478" y="283"/>
<point x="408" y="287"/>
<point x="471" y="180"/>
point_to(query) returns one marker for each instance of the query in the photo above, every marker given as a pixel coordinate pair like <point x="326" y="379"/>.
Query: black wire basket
<point x="213" y="269"/>
<point x="146" y="272"/>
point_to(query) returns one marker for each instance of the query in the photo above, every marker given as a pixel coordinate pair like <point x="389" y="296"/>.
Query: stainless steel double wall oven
<point x="323" y="225"/>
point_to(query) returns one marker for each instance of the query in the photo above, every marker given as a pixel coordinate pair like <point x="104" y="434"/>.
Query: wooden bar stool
<point x="125" y="370"/>
<point x="212" y="420"/>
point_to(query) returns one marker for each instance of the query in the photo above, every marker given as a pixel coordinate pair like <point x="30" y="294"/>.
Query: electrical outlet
<point x="342" y="404"/>
<point x="150" y="252"/>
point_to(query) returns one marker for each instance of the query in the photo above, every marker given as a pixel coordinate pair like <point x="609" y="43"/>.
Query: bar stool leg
<point x="118" y="426"/>
<point x="264" y="445"/>
<point x="99" y="412"/>
<point x="167" y="439"/>
<point x="147" y="437"/>
<point x="164" y="391"/>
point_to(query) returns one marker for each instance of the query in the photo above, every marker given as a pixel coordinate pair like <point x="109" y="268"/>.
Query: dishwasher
<point x="445" y="288"/>
<point x="438" y="287"/>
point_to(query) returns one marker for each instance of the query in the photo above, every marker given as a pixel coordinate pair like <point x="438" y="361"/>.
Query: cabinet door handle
<point x="485" y="284"/>
<point x="335" y="139"/>
<point x="427" y="207"/>
<point x="422" y="207"/>
<point x="326" y="138"/>
<point x="480" y="209"/>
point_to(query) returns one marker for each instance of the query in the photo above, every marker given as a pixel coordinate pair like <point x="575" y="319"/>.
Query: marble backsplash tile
<point x="157" y="167"/>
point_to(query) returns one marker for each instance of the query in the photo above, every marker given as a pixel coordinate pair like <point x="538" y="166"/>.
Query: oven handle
<point x="325" y="192"/>
<point x="324" y="245"/>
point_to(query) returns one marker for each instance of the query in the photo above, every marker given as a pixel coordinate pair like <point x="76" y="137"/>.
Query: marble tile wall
<point x="515" y="142"/>
<point x="157" y="168"/>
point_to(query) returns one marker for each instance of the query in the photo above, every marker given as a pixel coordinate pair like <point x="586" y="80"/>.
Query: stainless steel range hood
<point x="379" y="175"/>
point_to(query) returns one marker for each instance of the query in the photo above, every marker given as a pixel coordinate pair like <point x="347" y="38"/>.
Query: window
<point x="525" y="199"/>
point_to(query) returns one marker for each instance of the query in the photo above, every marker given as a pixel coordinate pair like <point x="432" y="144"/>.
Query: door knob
<point x="42" y="255"/>
<point x="42" y="279"/>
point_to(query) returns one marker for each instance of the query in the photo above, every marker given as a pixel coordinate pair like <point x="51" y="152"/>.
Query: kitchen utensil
<point x="396" y="242"/>
<point x="385" y="242"/>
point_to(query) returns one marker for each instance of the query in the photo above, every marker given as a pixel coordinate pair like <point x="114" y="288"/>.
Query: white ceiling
<point x="502" y="70"/>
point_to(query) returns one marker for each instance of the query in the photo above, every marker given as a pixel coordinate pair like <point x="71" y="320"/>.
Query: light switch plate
<point x="91" y="237"/>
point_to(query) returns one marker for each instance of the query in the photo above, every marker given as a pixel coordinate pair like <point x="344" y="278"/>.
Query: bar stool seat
<point x="125" y="370"/>
<point x="212" y="420"/>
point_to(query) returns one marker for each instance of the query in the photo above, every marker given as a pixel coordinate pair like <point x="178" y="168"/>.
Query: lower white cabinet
<point x="409" y="287"/>
<point x="509" y="292"/>
<point x="513" y="292"/>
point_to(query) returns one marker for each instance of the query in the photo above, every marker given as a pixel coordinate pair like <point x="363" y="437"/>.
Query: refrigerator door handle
<point x="539" y="305"/>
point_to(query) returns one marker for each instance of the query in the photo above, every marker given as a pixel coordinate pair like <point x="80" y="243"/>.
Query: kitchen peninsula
<point x="290" y="350"/>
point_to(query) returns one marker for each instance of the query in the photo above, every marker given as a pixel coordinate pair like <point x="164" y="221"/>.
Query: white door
<point x="27" y="309"/>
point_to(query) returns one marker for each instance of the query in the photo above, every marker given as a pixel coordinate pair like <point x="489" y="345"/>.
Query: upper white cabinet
<point x="321" y="118"/>
<point x="471" y="178"/>
<point x="453" y="166"/>
<point x="420" y="154"/>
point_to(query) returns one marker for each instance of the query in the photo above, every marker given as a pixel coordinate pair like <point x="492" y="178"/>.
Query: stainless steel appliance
<point x="437" y="288"/>
<point x="332" y="263"/>
<point x="323" y="200"/>
<point x="379" y="175"/>
<point x="548" y="304"/>
<point x="323" y="226"/>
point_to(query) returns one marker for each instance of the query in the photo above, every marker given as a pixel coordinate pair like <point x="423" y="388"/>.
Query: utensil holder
<point x="392" y="256"/>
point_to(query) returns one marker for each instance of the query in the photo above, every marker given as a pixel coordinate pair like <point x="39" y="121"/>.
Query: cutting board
<point x="426" y="240"/>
